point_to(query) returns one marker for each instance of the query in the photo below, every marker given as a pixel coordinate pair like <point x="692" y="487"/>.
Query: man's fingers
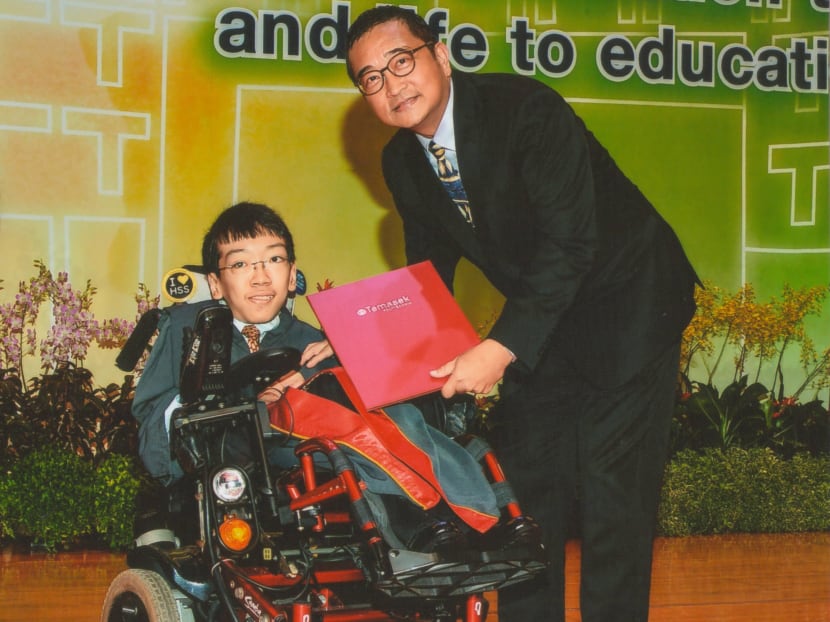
<point x="445" y="370"/>
<point x="453" y="387"/>
<point x="448" y="390"/>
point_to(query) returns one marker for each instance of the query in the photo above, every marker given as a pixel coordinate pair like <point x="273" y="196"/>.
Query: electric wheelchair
<point x="251" y="542"/>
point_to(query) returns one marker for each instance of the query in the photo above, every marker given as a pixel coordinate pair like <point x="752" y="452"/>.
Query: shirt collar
<point x="445" y="134"/>
<point x="263" y="328"/>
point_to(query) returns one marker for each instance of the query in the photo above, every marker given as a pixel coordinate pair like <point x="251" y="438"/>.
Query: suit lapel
<point x="468" y="137"/>
<point x="468" y="144"/>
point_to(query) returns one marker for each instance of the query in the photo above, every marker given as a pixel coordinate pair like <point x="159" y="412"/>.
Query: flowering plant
<point x="73" y="329"/>
<point x="747" y="412"/>
<point x="61" y="405"/>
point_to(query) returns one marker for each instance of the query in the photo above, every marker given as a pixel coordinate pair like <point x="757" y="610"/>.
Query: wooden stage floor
<point x="734" y="578"/>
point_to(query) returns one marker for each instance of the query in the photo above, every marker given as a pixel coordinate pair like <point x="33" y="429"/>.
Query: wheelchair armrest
<point x="184" y="417"/>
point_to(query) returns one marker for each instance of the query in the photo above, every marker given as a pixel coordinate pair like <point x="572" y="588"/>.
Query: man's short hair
<point x="243" y="221"/>
<point x="380" y="15"/>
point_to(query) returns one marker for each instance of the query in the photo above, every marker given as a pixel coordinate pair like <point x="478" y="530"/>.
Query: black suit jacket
<point x="589" y="269"/>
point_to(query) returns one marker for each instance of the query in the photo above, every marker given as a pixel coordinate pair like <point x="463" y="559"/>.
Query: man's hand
<point x="476" y="371"/>
<point x="316" y="352"/>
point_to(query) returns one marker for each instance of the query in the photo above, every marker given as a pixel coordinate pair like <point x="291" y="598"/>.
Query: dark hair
<point x="380" y="15"/>
<point x="239" y="222"/>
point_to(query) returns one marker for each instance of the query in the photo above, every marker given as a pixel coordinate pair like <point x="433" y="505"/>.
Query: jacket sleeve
<point x="155" y="391"/>
<point x="553" y="249"/>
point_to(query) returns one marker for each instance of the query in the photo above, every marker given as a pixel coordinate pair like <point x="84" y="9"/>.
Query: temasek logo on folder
<point x="392" y="305"/>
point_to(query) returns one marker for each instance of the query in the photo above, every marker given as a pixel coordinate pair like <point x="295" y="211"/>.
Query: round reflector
<point x="229" y="484"/>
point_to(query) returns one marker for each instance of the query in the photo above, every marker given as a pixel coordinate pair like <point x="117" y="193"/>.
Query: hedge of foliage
<point x="54" y="498"/>
<point x="744" y="490"/>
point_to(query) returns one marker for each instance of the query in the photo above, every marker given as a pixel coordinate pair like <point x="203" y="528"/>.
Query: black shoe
<point x="437" y="536"/>
<point x="520" y="531"/>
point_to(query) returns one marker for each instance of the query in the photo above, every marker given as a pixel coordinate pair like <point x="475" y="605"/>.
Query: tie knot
<point x="437" y="150"/>
<point x="251" y="333"/>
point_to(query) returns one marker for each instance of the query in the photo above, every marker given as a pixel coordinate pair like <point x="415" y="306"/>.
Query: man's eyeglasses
<point x="245" y="267"/>
<point x="401" y="64"/>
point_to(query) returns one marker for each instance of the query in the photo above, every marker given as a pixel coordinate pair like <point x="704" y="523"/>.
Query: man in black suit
<point x="597" y="289"/>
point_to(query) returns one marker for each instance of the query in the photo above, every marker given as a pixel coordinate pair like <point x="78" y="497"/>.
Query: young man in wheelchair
<point x="249" y="256"/>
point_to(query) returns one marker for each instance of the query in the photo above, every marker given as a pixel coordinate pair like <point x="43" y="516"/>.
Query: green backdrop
<point x="126" y="126"/>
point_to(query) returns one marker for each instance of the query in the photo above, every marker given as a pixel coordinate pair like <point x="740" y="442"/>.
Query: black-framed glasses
<point x="401" y="64"/>
<point x="244" y="267"/>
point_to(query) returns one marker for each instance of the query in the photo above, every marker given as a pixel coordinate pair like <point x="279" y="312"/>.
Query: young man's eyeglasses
<point x="245" y="267"/>
<point x="401" y="64"/>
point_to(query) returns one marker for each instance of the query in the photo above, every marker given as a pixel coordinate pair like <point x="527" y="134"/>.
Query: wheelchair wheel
<point x="144" y="596"/>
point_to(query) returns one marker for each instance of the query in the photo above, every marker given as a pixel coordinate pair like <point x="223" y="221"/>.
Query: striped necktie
<point x="251" y="333"/>
<point x="452" y="181"/>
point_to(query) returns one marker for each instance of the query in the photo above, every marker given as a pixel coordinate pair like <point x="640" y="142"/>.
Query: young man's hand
<point x="476" y="371"/>
<point x="313" y="354"/>
<point x="316" y="352"/>
<point x="275" y="390"/>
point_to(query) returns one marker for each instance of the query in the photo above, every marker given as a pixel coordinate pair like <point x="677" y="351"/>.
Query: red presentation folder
<point x="390" y="330"/>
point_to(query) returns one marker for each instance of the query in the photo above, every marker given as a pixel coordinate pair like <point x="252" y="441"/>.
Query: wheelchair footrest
<point x="432" y="575"/>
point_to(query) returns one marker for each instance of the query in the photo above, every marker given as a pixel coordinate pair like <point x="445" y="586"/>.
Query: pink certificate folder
<point x="390" y="330"/>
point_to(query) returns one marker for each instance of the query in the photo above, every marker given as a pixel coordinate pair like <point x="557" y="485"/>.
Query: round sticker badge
<point x="179" y="285"/>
